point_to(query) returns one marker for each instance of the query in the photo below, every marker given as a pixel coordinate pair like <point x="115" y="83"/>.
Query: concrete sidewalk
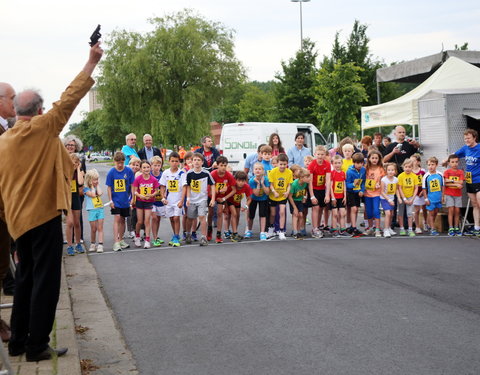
<point x="63" y="335"/>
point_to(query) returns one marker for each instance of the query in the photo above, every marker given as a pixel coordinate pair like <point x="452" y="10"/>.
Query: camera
<point x="399" y="147"/>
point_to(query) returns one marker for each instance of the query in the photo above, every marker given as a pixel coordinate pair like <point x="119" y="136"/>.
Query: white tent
<point x="453" y="74"/>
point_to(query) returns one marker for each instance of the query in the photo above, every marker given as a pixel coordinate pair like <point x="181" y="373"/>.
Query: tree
<point x="168" y="81"/>
<point x="339" y="93"/>
<point x="295" y="98"/>
<point x="463" y="47"/>
<point x="256" y="105"/>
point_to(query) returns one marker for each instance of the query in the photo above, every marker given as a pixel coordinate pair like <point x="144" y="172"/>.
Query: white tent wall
<point x="453" y="74"/>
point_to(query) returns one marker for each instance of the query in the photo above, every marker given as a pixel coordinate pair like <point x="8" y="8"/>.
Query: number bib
<point x="419" y="179"/>
<point x="237" y="198"/>
<point x="173" y="186"/>
<point x="145" y="190"/>
<point x="391" y="189"/>
<point x="119" y="186"/>
<point x="281" y="186"/>
<point x="356" y="183"/>
<point x="434" y="186"/>
<point x="97" y="202"/>
<point x="370" y="184"/>
<point x="468" y="177"/>
<point x="409" y="182"/>
<point x="320" y="180"/>
<point x="454" y="179"/>
<point x="300" y="193"/>
<point x="219" y="186"/>
<point x="196" y="186"/>
<point x="338" y="187"/>
<point x="73" y="186"/>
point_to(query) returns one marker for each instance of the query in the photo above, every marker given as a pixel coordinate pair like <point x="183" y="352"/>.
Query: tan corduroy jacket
<point x="35" y="168"/>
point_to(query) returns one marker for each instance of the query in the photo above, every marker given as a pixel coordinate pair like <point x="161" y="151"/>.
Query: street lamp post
<point x="301" y="22"/>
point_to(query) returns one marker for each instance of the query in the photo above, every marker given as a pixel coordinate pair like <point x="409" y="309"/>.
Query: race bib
<point x="196" y="186"/>
<point x="434" y="186"/>
<point x="468" y="177"/>
<point x="73" y="186"/>
<point x="219" y="186"/>
<point x="300" y="193"/>
<point x="419" y="179"/>
<point x="237" y="198"/>
<point x="391" y="189"/>
<point x="119" y="186"/>
<point x="321" y="180"/>
<point x="173" y="186"/>
<point x="454" y="179"/>
<point x="370" y="184"/>
<point x="409" y="182"/>
<point x="281" y="186"/>
<point x="145" y="190"/>
<point x="97" y="202"/>
<point x="338" y="189"/>
<point x="356" y="183"/>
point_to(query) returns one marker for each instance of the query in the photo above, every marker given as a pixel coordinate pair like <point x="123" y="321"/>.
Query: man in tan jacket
<point x="34" y="192"/>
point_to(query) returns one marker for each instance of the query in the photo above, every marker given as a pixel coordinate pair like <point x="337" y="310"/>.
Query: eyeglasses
<point x="71" y="145"/>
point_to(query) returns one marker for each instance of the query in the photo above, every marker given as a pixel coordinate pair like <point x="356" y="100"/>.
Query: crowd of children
<point x="333" y="186"/>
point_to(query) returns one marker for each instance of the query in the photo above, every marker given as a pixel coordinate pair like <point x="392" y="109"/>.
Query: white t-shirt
<point x="390" y="187"/>
<point x="174" y="183"/>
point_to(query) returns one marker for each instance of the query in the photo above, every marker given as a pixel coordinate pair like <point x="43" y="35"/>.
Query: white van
<point x="238" y="140"/>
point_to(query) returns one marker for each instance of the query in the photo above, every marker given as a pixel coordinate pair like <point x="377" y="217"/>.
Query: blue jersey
<point x="120" y="182"/>
<point x="472" y="161"/>
<point x="267" y="166"/>
<point x="433" y="184"/>
<point x="253" y="185"/>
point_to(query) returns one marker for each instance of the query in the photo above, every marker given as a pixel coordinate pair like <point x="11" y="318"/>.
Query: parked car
<point x="95" y="156"/>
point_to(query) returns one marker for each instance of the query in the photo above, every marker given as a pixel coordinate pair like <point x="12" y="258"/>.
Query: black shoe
<point x="15" y="351"/>
<point x="46" y="354"/>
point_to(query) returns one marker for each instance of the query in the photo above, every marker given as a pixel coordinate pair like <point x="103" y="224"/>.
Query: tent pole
<point x="378" y="93"/>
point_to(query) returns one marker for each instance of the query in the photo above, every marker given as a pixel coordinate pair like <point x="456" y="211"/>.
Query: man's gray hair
<point x="147" y="135"/>
<point x="204" y="139"/>
<point x="78" y="142"/>
<point x="28" y="103"/>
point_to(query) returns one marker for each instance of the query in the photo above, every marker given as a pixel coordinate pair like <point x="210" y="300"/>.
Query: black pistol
<point x="95" y="36"/>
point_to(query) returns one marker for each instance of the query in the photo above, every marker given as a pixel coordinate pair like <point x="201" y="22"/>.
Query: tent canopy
<point x="453" y="74"/>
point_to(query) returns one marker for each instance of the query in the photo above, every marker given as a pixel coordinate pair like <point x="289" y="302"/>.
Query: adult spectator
<point x="181" y="153"/>
<point x="251" y="159"/>
<point x="74" y="145"/>
<point x="377" y="142"/>
<point x="405" y="149"/>
<point x="386" y="142"/>
<point x="366" y="142"/>
<point x="148" y="151"/>
<point x="298" y="152"/>
<point x="209" y="152"/>
<point x="276" y="144"/>
<point x="471" y="153"/>
<point x="7" y="111"/>
<point x="36" y="223"/>
<point x="129" y="149"/>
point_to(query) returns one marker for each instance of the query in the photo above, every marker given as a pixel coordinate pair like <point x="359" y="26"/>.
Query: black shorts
<point x="236" y="205"/>
<point x="337" y="204"/>
<point x="353" y="199"/>
<point x="276" y="203"/>
<point x="473" y="188"/>
<point x="300" y="206"/>
<point x="123" y="212"/>
<point x="320" y="196"/>
<point x="143" y="205"/>
<point x="262" y="208"/>
<point x="76" y="203"/>
<point x="308" y="202"/>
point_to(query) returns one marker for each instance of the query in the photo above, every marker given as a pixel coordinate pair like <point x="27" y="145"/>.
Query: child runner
<point x="355" y="190"/>
<point x="94" y="206"/>
<point x="134" y="165"/>
<point x="407" y="188"/>
<point x="433" y="191"/>
<point x="225" y="188"/>
<point x="374" y="173"/>
<point x="158" y="210"/>
<point x="280" y="180"/>
<point x="119" y="180"/>
<point x="388" y="190"/>
<point x="338" y="198"/>
<point x="235" y="201"/>
<point x="347" y="161"/>
<point x="187" y="165"/>
<point x="144" y="189"/>
<point x="266" y="153"/>
<point x="419" y="201"/>
<point x="453" y="178"/>
<point x="319" y="187"/>
<point x="260" y="185"/>
<point x="172" y="187"/>
<point x="297" y="198"/>
<point x="199" y="181"/>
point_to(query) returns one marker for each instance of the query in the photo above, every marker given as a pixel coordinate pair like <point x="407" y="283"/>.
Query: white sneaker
<point x="146" y="245"/>
<point x="386" y="233"/>
<point x="418" y="230"/>
<point x="91" y="248"/>
<point x="100" y="249"/>
<point x="281" y="236"/>
<point x="426" y="228"/>
<point x="369" y="231"/>
<point x="116" y="246"/>
<point x="392" y="232"/>
<point x="378" y="234"/>
<point x="138" y="242"/>
<point x="271" y="233"/>
<point x="132" y="234"/>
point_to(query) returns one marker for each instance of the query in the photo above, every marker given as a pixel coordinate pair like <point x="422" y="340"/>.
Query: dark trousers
<point x="37" y="286"/>
<point x="4" y="250"/>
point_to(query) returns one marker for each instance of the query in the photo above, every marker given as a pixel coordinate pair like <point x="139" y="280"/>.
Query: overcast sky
<point x="44" y="43"/>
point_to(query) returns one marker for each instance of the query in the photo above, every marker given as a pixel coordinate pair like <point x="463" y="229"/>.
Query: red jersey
<point x="236" y="198"/>
<point x="319" y="173"/>
<point x="457" y="175"/>
<point x="220" y="182"/>
<point x="338" y="184"/>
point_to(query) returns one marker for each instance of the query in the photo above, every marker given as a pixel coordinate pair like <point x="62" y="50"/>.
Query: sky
<point x="45" y="43"/>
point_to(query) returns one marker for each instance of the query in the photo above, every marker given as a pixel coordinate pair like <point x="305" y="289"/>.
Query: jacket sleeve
<point x="349" y="180"/>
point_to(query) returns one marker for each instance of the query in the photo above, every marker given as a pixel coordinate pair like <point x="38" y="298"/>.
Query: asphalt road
<point x="329" y="306"/>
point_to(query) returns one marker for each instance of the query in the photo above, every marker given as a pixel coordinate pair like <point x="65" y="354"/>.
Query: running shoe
<point x="219" y="239"/>
<point x="236" y="237"/>
<point x="203" y="241"/>
<point x="386" y="233"/>
<point x="281" y="236"/>
<point x="132" y="234"/>
<point x="248" y="234"/>
<point x="451" y="232"/>
<point x="403" y="232"/>
<point x="137" y="241"/>
<point x="116" y="246"/>
<point x="92" y="248"/>
<point x="411" y="233"/>
<point x="263" y="236"/>
<point x="194" y="236"/>
<point x="378" y="234"/>
<point x="303" y="232"/>
<point x="188" y="239"/>
<point x="124" y="245"/>
<point x="157" y="242"/>
<point x="227" y="234"/>
<point x="209" y="234"/>
<point x="458" y="232"/>
<point x="433" y="232"/>
<point x="369" y="231"/>
<point x="418" y="230"/>
<point x="79" y="249"/>
<point x="70" y="251"/>
<point x="357" y="233"/>
<point x="146" y="245"/>
<point x="100" y="248"/>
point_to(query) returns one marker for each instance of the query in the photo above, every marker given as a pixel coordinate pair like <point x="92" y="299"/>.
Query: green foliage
<point x="463" y="47"/>
<point x="339" y="92"/>
<point x="168" y="81"/>
<point x="295" y="97"/>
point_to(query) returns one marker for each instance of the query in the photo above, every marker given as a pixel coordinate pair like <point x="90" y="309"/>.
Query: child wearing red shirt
<point x="453" y="178"/>
<point x="338" y="198"/>
<point x="235" y="201"/>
